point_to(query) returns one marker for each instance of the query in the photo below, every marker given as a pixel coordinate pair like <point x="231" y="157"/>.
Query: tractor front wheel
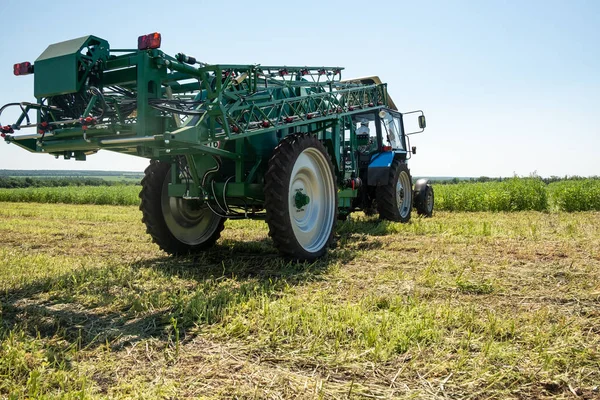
<point x="424" y="202"/>
<point x="301" y="197"/>
<point x="179" y="226"/>
<point x="394" y="199"/>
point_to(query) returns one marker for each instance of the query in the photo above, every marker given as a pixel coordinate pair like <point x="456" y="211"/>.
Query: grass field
<point x="462" y="305"/>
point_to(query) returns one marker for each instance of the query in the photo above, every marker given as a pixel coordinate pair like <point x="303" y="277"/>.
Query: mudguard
<point x="420" y="185"/>
<point x="419" y="191"/>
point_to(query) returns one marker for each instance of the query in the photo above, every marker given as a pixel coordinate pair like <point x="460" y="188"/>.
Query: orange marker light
<point x="151" y="41"/>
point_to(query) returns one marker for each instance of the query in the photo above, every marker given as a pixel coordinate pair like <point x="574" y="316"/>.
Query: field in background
<point x="46" y="173"/>
<point x="462" y="305"/>
<point x="106" y="195"/>
<point x="519" y="194"/>
<point x="515" y="194"/>
<point x="61" y="178"/>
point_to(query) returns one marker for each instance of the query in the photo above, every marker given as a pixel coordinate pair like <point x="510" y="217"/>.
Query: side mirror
<point x="414" y="149"/>
<point x="422" y="122"/>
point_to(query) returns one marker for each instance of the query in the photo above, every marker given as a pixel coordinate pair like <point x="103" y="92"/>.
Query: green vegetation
<point x="515" y="194"/>
<point x="21" y="182"/>
<point x="112" y="195"/>
<point x="580" y="195"/>
<point x="519" y="194"/>
<point x="477" y="305"/>
<point x="58" y="178"/>
<point x="47" y="173"/>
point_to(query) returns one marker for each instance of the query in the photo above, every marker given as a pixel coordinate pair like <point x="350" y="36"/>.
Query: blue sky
<point x="507" y="86"/>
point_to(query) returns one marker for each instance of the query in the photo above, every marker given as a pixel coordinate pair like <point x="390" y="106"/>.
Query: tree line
<point x="551" y="179"/>
<point x="10" y="182"/>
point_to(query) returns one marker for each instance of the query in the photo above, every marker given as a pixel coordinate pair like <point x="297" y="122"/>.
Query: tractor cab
<point x="383" y="130"/>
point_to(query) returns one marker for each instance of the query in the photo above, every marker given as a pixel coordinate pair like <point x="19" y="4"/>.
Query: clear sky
<point x="507" y="86"/>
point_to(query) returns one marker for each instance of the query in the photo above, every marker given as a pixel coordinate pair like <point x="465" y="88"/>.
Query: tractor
<point x="296" y="146"/>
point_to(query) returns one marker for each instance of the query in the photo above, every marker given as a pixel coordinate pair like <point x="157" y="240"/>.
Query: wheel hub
<point x="300" y="199"/>
<point x="190" y="221"/>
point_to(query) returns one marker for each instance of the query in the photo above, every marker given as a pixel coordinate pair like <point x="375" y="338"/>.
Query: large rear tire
<point x="178" y="226"/>
<point x="301" y="197"/>
<point x="394" y="200"/>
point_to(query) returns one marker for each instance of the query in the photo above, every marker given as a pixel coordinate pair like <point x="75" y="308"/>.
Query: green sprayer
<point x="297" y="146"/>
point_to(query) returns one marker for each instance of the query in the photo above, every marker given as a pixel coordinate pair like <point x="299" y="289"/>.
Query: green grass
<point x="462" y="305"/>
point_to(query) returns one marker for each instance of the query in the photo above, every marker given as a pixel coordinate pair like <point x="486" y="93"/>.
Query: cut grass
<point x="469" y="305"/>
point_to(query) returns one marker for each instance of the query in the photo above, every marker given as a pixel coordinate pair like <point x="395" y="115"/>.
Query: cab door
<point x="393" y="131"/>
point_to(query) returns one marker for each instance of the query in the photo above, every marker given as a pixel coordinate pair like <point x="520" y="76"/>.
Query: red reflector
<point x="24" y="68"/>
<point x="6" y="129"/>
<point x="151" y="41"/>
<point x="386" y="148"/>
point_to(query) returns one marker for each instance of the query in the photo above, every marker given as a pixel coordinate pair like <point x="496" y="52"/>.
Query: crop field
<point x="105" y="195"/>
<point x="462" y="305"/>
<point x="517" y="194"/>
<point x="520" y="194"/>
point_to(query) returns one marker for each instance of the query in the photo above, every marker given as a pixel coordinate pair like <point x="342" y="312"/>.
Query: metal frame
<point x="150" y="104"/>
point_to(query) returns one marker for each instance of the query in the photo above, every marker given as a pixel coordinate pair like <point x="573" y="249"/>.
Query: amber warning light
<point x="24" y="68"/>
<point x="151" y="41"/>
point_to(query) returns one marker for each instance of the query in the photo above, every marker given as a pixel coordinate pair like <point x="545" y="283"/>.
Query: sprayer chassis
<point x="214" y="133"/>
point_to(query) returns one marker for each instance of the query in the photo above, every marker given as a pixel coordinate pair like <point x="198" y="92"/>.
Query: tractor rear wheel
<point x="179" y="226"/>
<point x="301" y="197"/>
<point x="394" y="199"/>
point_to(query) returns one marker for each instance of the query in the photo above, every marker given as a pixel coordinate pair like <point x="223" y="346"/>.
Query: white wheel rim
<point x="403" y="194"/>
<point x="189" y="221"/>
<point x="312" y="222"/>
